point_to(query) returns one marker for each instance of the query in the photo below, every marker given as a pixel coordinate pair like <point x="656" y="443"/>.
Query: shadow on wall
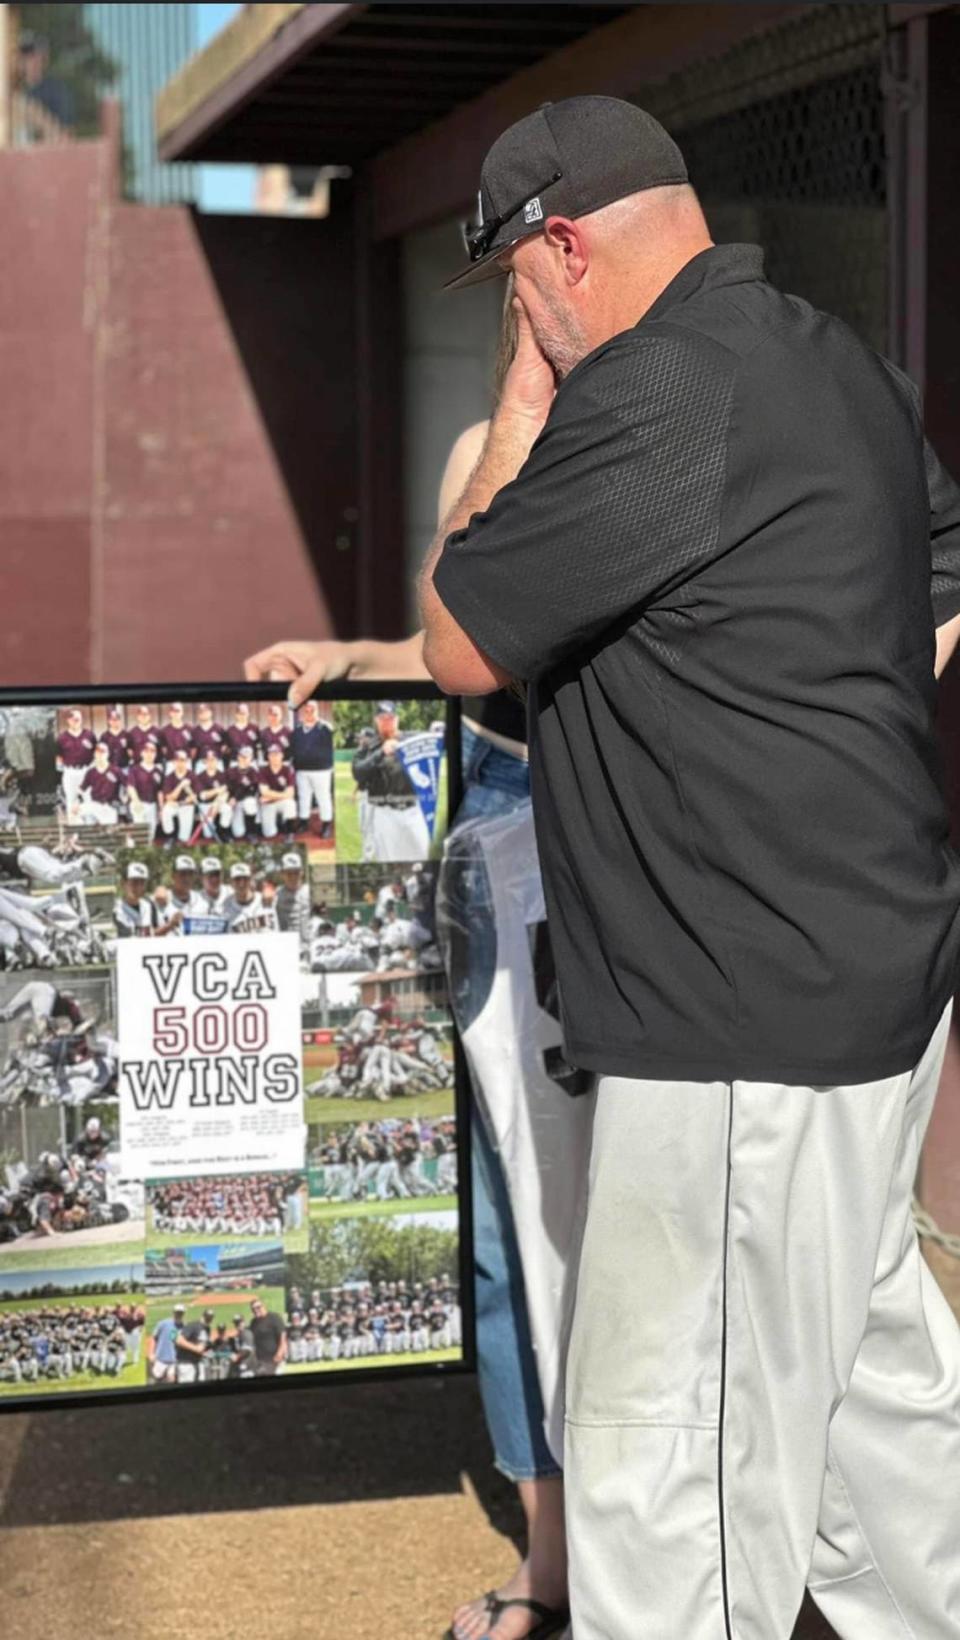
<point x="287" y="290"/>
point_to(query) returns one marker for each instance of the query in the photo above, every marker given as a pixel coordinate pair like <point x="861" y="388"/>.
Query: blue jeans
<point x="496" y="783"/>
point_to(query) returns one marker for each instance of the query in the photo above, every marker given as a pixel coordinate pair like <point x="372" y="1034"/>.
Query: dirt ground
<point x="360" y="1513"/>
<point x="342" y="1514"/>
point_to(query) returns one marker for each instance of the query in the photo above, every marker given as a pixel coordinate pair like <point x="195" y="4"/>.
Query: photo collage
<point x="228" y="1135"/>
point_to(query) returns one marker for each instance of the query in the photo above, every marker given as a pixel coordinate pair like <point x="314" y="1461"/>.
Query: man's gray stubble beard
<point x="562" y="344"/>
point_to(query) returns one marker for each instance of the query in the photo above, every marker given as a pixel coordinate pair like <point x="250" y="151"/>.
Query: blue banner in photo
<point x="208" y="923"/>
<point x="421" y="756"/>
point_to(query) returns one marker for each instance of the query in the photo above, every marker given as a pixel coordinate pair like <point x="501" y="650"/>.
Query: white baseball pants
<point x="97" y="814"/>
<point x="71" y="780"/>
<point x="364" y="811"/>
<point x="147" y="814"/>
<point x="764" y="1379"/>
<point x="236" y="815"/>
<point x="398" y="834"/>
<point x="181" y="817"/>
<point x="315" y="786"/>
<point x="272" y="813"/>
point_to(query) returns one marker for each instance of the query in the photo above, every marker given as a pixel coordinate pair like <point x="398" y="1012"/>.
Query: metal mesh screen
<point x="784" y="137"/>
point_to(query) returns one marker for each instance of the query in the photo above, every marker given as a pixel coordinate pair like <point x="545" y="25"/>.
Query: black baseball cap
<point x="567" y="159"/>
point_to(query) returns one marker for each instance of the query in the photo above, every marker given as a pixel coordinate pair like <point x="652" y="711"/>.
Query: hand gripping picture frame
<point x="233" y="1124"/>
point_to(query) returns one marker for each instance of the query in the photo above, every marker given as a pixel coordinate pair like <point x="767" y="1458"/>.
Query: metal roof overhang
<point x="336" y="84"/>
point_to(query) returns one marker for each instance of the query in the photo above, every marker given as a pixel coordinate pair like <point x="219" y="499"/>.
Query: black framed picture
<point x="233" y="1135"/>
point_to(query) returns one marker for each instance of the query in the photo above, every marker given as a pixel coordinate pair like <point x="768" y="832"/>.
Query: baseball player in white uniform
<point x="293" y="899"/>
<point x="213" y="893"/>
<point x="398" y="936"/>
<point x="134" y="913"/>
<point x="245" y="910"/>
<point x="182" y="899"/>
<point x="63" y="869"/>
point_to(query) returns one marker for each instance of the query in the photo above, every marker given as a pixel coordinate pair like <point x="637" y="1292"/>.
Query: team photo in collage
<point x="228" y="1135"/>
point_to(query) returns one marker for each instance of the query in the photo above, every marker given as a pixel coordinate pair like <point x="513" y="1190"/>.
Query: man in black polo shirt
<point x="269" y="1339"/>
<point x="716" y="554"/>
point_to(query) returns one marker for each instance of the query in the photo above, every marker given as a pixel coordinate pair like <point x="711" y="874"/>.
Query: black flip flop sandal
<point x="552" y="1621"/>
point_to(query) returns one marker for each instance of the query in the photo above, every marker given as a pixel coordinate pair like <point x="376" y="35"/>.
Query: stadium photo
<point x="200" y="1297"/>
<point x="214" y="1210"/>
<point x="184" y="775"/>
<point x="390" y="783"/>
<point x="375" y="1293"/>
<point x="71" y="1330"/>
<point x="382" y="1167"/>
<point x="371" y="1041"/>
<point x="367" y="918"/>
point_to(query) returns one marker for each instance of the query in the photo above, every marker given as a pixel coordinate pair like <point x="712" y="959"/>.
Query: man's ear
<point x="568" y="237"/>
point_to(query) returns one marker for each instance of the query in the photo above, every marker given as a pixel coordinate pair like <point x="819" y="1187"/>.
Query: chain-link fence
<point x="784" y="137"/>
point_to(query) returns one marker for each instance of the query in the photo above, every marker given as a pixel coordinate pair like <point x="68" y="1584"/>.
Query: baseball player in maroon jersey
<point x="278" y="798"/>
<point x="144" y="730"/>
<point x="74" y="757"/>
<point x="115" y="739"/>
<point x="243" y="733"/>
<point x="211" y="786"/>
<point x="209" y="736"/>
<point x="178" y="799"/>
<point x="175" y="736"/>
<point x="244" y="787"/>
<point x="144" y="787"/>
<point x="277" y="731"/>
<point x="101" y="791"/>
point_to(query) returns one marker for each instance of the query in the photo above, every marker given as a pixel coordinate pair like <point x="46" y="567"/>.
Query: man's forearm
<point x="507" y="446"/>
<point x="450" y="656"/>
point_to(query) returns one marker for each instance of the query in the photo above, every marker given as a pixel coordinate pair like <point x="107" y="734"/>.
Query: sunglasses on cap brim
<point x="478" y="236"/>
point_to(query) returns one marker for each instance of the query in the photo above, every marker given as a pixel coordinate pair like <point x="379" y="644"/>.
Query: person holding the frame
<point x="532" y="1605"/>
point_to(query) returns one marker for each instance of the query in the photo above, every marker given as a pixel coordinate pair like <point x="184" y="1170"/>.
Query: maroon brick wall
<point x="147" y="525"/>
<point x="198" y="554"/>
<point x="50" y="204"/>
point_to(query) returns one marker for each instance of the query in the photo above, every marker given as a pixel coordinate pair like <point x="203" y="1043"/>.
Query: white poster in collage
<point x="211" y="1075"/>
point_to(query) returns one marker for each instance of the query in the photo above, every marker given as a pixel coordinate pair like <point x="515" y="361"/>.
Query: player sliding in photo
<point x="62" y="866"/>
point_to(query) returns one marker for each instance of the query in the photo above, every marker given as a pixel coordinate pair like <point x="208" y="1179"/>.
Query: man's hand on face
<point x="530" y="385"/>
